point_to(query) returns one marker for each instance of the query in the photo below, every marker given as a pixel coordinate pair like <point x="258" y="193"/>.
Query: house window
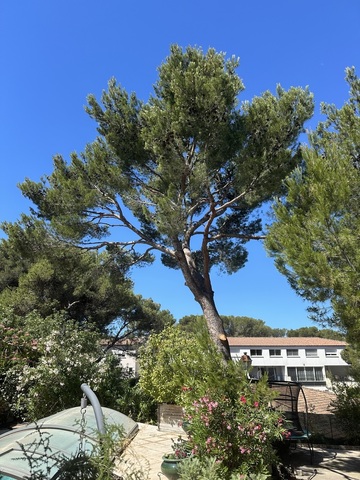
<point x="311" y="352"/>
<point x="331" y="352"/>
<point x="292" y="352"/>
<point x="256" y="353"/>
<point x="273" y="373"/>
<point x="275" y="352"/>
<point x="306" y="374"/>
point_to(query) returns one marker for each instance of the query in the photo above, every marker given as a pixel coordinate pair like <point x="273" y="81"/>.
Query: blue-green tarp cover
<point x="64" y="433"/>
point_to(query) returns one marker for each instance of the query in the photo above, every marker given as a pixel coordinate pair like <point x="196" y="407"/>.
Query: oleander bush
<point x="45" y="362"/>
<point x="233" y="423"/>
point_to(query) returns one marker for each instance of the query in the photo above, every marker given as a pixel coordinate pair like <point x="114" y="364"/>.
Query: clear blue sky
<point x="54" y="53"/>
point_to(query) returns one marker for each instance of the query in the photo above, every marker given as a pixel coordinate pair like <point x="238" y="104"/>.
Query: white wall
<point x="128" y="361"/>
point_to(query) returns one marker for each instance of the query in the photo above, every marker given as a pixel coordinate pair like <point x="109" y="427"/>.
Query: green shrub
<point x="67" y="357"/>
<point x="209" y="468"/>
<point x="230" y="420"/>
<point x="43" y="362"/>
<point x="347" y="410"/>
<point x="135" y="403"/>
<point x="196" y="469"/>
<point x="173" y="360"/>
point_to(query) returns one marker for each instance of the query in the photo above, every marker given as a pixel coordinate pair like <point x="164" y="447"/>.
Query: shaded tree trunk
<point x="204" y="296"/>
<point x="215" y="325"/>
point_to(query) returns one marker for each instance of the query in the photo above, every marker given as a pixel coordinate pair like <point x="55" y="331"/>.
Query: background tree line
<point x="240" y="326"/>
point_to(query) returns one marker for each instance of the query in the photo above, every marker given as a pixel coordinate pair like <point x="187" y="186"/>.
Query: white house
<point x="126" y="353"/>
<point x="313" y="361"/>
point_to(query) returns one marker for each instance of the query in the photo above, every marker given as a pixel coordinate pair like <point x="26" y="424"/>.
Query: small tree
<point x="315" y="236"/>
<point x="183" y="174"/>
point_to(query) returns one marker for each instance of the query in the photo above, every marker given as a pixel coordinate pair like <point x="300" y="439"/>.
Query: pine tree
<point x="183" y="174"/>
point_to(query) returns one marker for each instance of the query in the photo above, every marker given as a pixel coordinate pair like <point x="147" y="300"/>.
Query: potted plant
<point x="170" y="461"/>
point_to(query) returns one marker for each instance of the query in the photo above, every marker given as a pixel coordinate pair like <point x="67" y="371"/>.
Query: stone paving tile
<point x="150" y="444"/>
<point x="145" y="452"/>
<point x="328" y="464"/>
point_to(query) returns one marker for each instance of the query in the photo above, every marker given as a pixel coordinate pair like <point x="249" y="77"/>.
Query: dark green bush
<point x="347" y="410"/>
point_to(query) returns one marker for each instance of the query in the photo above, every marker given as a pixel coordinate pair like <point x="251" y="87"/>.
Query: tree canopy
<point x="316" y="332"/>
<point x="239" y="326"/>
<point x="234" y="326"/>
<point x="183" y="174"/>
<point x="40" y="272"/>
<point x="315" y="236"/>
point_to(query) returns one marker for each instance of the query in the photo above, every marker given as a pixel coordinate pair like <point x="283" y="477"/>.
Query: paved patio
<point x="147" y="448"/>
<point x="144" y="454"/>
<point x="329" y="463"/>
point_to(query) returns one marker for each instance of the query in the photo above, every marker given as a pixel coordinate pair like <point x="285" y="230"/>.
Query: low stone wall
<point x="325" y="425"/>
<point x="321" y="419"/>
<point x="170" y="418"/>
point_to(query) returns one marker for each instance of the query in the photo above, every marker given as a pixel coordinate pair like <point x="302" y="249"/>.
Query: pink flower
<point x="242" y="399"/>
<point x="256" y="404"/>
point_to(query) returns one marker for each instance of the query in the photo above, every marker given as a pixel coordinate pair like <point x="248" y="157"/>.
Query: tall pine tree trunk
<point x="204" y="295"/>
<point x="215" y="325"/>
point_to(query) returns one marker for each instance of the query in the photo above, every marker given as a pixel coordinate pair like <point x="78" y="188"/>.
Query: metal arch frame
<point x="99" y="415"/>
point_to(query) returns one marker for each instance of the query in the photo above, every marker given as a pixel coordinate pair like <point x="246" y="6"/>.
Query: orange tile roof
<point x="284" y="342"/>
